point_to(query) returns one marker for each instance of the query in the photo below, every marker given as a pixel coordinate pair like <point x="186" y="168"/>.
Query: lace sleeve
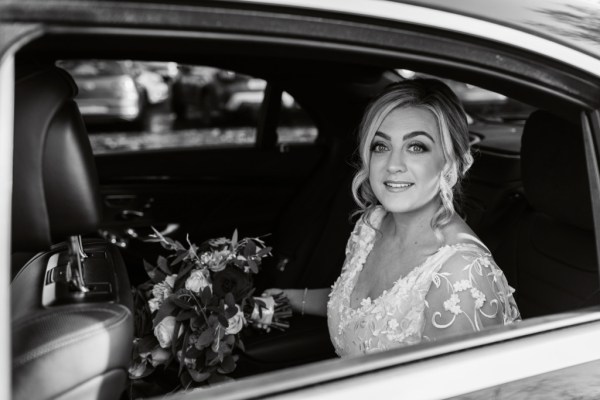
<point x="468" y="293"/>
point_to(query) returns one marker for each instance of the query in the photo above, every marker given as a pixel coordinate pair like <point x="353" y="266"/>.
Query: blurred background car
<point x="215" y="95"/>
<point x="154" y="85"/>
<point x="109" y="90"/>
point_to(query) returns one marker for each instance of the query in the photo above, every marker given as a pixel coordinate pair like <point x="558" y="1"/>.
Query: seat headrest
<point x="554" y="170"/>
<point x="55" y="184"/>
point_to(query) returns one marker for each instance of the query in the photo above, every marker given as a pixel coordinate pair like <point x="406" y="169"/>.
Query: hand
<point x="267" y="293"/>
<point x="272" y="292"/>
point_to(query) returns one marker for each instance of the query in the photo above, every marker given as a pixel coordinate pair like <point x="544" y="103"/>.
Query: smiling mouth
<point x="398" y="185"/>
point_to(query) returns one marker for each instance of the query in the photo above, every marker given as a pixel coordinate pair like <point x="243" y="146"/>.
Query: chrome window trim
<point x="591" y="136"/>
<point x="411" y="14"/>
<point x="7" y="73"/>
<point x="374" y="370"/>
<point x="470" y="371"/>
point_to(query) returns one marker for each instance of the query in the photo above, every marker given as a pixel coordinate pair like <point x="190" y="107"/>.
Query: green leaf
<point x="253" y="266"/>
<point x="167" y="308"/>
<point x="154" y="273"/>
<point x="240" y="345"/>
<point x="264" y="252"/>
<point x="206" y="338"/>
<point x="230" y="339"/>
<point x="163" y="265"/>
<point x="206" y="296"/>
<point x="184" y="350"/>
<point x="230" y="312"/>
<point x="230" y="300"/>
<point x="234" y="239"/>
<point x="180" y="255"/>
<point x="222" y="320"/>
<point x="193" y="352"/>
<point x="175" y="337"/>
<point x="198" y="376"/>
<point x="250" y="249"/>
<point x="184" y="315"/>
<point x="181" y="303"/>
<point x="184" y="272"/>
<point x="227" y="365"/>
<point x="147" y="344"/>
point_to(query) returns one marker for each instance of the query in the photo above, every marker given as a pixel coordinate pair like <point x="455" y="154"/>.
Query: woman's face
<point x="406" y="160"/>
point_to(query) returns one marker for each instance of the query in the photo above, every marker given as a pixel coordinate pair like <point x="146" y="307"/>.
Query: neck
<point x="413" y="228"/>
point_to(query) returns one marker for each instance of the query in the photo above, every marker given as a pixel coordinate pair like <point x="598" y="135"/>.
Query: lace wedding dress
<point x="457" y="289"/>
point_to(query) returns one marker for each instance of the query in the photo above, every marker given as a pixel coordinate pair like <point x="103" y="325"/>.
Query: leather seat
<point x="549" y="254"/>
<point x="67" y="342"/>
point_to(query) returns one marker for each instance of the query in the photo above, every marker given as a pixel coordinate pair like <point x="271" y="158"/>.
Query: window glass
<point x="295" y="125"/>
<point x="131" y="105"/>
<point x="134" y="105"/>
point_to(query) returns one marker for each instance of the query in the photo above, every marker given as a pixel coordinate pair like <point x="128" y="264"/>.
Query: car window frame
<point x="590" y="318"/>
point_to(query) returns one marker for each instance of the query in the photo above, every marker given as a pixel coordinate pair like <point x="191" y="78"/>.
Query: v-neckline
<point x="369" y="248"/>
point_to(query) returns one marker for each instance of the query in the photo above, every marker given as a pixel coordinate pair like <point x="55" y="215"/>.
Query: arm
<point x="315" y="301"/>
<point x="468" y="294"/>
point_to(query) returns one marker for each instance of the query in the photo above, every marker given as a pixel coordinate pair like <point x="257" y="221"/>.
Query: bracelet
<point x="303" y="301"/>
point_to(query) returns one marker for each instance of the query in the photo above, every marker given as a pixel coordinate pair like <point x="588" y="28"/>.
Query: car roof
<point x="571" y="22"/>
<point x="567" y="22"/>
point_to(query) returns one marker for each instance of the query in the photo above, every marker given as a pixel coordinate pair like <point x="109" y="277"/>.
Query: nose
<point x="396" y="162"/>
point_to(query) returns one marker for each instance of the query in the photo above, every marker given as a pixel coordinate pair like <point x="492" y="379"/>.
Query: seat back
<point x="65" y="343"/>
<point x="55" y="191"/>
<point x="549" y="254"/>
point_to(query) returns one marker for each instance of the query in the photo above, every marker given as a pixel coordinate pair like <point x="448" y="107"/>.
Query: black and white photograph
<point x="300" y="199"/>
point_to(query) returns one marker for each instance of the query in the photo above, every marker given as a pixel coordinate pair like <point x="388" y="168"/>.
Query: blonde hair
<point x="438" y="98"/>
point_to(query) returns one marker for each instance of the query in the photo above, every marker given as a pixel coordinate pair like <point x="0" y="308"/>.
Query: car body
<point x="111" y="91"/>
<point x="155" y="87"/>
<point x="333" y="57"/>
<point x="219" y="94"/>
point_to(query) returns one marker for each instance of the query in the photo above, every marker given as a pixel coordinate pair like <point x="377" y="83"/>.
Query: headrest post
<point x="75" y="267"/>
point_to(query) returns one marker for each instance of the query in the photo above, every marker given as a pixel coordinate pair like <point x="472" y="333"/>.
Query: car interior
<point x="527" y="197"/>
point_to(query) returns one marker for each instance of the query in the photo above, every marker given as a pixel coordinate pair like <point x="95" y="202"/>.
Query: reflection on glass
<point x="573" y="21"/>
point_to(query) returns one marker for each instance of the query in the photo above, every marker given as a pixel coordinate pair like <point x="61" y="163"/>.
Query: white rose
<point x="164" y="331"/>
<point x="154" y="304"/>
<point x="197" y="281"/>
<point x="236" y="323"/>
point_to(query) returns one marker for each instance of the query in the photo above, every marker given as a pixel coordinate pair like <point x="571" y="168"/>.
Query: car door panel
<point x="208" y="192"/>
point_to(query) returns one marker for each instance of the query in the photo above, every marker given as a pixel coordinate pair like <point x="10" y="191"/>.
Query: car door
<point x="186" y="175"/>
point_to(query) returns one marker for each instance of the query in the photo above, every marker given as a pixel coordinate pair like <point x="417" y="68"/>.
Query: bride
<point x="414" y="270"/>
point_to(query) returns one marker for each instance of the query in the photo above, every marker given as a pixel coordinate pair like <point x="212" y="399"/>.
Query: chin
<point x="396" y="206"/>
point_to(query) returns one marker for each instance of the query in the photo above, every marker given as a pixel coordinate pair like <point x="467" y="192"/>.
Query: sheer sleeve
<point x="468" y="293"/>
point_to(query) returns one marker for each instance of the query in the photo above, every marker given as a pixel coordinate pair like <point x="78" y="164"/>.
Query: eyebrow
<point x="407" y="136"/>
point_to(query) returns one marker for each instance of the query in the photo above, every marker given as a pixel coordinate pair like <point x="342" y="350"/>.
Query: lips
<point x="397" y="185"/>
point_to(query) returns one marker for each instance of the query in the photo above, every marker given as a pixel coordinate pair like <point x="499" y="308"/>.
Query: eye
<point x="417" y="147"/>
<point x="378" y="147"/>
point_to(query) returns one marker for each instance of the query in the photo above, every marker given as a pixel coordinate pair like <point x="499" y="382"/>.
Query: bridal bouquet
<point x="198" y="300"/>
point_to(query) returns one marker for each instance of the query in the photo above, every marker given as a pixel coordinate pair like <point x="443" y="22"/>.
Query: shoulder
<point x="463" y="256"/>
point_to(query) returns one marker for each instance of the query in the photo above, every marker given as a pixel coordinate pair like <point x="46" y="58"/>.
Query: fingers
<point x="271" y="292"/>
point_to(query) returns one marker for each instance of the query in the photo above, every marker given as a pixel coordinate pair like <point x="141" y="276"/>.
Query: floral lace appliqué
<point x="398" y="316"/>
